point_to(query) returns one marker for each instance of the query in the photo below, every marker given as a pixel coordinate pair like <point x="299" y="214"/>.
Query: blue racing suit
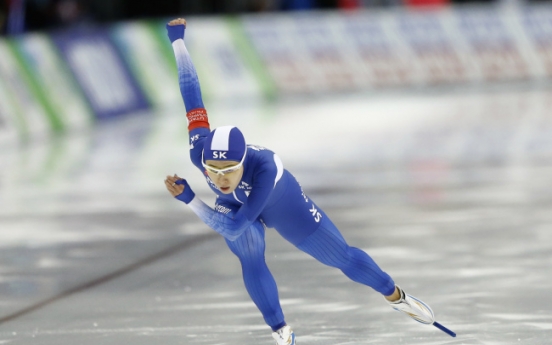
<point x="267" y="195"/>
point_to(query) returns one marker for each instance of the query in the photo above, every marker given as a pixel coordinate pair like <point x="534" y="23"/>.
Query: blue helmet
<point x="225" y="143"/>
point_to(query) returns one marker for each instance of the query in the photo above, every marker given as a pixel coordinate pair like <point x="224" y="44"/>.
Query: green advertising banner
<point x="251" y="57"/>
<point x="8" y="118"/>
<point x="31" y="118"/>
<point x="53" y="83"/>
<point x="147" y="56"/>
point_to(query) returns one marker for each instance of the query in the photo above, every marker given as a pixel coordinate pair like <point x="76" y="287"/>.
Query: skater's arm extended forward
<point x="229" y="227"/>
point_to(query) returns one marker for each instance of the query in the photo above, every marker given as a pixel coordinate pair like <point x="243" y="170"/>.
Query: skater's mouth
<point x="224" y="189"/>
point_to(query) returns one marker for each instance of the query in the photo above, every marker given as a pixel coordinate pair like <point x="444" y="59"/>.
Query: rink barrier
<point x="103" y="75"/>
<point x="41" y="98"/>
<point x="150" y="58"/>
<point x="55" y="86"/>
<point x="370" y="49"/>
<point x="11" y="120"/>
<point x="252" y="59"/>
<point x="223" y="71"/>
<point x="26" y="113"/>
<point x="59" y="80"/>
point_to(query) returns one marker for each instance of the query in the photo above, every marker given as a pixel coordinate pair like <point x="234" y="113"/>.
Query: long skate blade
<point x="444" y="329"/>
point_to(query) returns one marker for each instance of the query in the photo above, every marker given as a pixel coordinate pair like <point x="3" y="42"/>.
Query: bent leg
<point x="259" y="282"/>
<point x="301" y="222"/>
<point x="328" y="246"/>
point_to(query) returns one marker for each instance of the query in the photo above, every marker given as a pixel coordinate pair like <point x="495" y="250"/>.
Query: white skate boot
<point x="414" y="308"/>
<point x="284" y="336"/>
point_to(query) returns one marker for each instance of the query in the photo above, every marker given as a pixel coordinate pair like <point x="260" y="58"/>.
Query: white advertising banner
<point x="318" y="40"/>
<point x="492" y="44"/>
<point x="8" y="118"/>
<point x="142" y="50"/>
<point x="536" y="23"/>
<point x="367" y="37"/>
<point x="223" y="75"/>
<point x="34" y="119"/>
<point x="333" y="51"/>
<point x="431" y="47"/>
<point x="289" y="67"/>
<point x="55" y="81"/>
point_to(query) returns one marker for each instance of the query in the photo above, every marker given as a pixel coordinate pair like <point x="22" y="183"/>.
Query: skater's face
<point x="225" y="174"/>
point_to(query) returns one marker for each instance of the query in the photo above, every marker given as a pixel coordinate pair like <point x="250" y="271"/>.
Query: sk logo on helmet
<point x="220" y="155"/>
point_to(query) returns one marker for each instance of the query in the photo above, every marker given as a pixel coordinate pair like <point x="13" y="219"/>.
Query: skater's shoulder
<point x="260" y="154"/>
<point x="261" y="160"/>
<point x="258" y="148"/>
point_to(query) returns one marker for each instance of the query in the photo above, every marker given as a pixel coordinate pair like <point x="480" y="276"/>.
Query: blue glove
<point x="188" y="194"/>
<point x="175" y="31"/>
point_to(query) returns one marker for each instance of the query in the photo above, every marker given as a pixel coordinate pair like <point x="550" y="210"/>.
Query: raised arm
<point x="198" y="122"/>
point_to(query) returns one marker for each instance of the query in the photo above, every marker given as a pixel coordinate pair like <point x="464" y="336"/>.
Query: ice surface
<point x="449" y="191"/>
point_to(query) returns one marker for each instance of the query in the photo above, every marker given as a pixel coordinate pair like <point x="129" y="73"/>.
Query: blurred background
<point x="422" y="127"/>
<point x="18" y="16"/>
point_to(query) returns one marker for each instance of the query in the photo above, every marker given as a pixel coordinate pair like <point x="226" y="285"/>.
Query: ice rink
<point x="450" y="191"/>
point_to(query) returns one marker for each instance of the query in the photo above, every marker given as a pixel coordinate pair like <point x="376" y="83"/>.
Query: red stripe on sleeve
<point x="197" y="118"/>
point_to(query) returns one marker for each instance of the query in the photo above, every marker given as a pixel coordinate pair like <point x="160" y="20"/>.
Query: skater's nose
<point x="222" y="178"/>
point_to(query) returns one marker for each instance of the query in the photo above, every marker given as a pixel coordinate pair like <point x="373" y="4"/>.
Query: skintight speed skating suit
<point x="267" y="195"/>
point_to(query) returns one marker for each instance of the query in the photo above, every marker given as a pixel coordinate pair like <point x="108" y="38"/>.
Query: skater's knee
<point x="250" y="255"/>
